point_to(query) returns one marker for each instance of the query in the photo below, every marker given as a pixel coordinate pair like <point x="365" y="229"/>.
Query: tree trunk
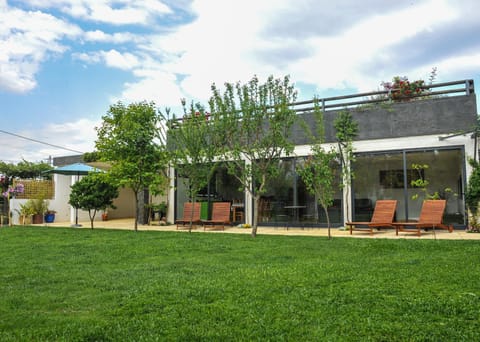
<point x="256" y="199"/>
<point x="136" y="210"/>
<point x="191" y="216"/>
<point x="328" y="220"/>
<point x="92" y="217"/>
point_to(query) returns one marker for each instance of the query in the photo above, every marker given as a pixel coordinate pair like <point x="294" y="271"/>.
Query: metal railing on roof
<point x="462" y="87"/>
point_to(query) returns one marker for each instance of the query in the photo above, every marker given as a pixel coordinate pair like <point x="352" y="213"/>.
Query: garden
<point x="63" y="284"/>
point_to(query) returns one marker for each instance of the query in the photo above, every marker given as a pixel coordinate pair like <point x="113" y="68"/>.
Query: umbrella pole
<point x="76" y="209"/>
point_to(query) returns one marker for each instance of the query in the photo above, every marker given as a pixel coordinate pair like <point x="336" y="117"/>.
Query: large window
<point x="390" y="175"/>
<point x="287" y="201"/>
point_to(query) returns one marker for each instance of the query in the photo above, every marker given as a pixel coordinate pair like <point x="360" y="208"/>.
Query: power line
<point x="40" y="142"/>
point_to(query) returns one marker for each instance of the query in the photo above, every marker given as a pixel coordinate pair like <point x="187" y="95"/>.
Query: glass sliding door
<point x="389" y="175"/>
<point x="444" y="173"/>
<point x="377" y="176"/>
<point x="280" y="193"/>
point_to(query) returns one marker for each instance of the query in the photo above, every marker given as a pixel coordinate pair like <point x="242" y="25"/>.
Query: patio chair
<point x="184" y="222"/>
<point x="431" y="216"/>
<point x="220" y="215"/>
<point x="382" y="217"/>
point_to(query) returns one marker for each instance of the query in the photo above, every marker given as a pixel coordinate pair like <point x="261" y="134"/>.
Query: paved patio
<point x="336" y="232"/>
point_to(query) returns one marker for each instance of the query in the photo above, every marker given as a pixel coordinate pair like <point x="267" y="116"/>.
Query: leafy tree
<point x="193" y="149"/>
<point x="89" y="157"/>
<point x="131" y="139"/>
<point x="253" y="121"/>
<point x="93" y="192"/>
<point x="472" y="196"/>
<point x="346" y="130"/>
<point x="318" y="171"/>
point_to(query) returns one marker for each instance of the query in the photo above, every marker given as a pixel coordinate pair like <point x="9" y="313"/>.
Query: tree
<point x="472" y="196"/>
<point x="253" y="123"/>
<point x="131" y="139"/>
<point x="318" y="171"/>
<point x="93" y="192"/>
<point x="193" y="149"/>
<point x="346" y="130"/>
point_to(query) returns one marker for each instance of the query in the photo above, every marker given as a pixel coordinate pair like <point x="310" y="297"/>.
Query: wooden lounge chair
<point x="430" y="217"/>
<point x="220" y="215"/>
<point x="382" y="217"/>
<point x="184" y="222"/>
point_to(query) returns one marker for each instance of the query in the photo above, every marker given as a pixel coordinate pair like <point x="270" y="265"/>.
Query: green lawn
<point x="82" y="285"/>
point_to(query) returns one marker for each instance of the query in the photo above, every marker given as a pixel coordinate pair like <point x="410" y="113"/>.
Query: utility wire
<point x="40" y="142"/>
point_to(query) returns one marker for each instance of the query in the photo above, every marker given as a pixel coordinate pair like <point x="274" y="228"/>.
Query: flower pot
<point x="49" y="217"/>
<point x="37" y="219"/>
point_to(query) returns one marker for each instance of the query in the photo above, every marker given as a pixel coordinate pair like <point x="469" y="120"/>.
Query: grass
<point x="80" y="285"/>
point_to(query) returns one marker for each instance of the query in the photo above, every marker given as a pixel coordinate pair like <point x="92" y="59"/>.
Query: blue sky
<point x="63" y="62"/>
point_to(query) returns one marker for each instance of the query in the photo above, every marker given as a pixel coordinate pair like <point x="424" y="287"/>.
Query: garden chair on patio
<point x="184" y="222"/>
<point x="220" y="215"/>
<point x="431" y="216"/>
<point x="382" y="217"/>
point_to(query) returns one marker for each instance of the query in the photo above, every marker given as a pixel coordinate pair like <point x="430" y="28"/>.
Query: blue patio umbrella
<point x="76" y="169"/>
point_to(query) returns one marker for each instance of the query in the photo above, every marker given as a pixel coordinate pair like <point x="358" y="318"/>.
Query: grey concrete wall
<point x="441" y="115"/>
<point x="67" y="160"/>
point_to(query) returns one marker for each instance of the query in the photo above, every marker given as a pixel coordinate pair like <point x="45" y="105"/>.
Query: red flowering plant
<point x="401" y="89"/>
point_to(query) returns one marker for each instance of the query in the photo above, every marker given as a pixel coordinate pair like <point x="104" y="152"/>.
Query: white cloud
<point x="111" y="58"/>
<point x="124" y="61"/>
<point x="26" y="40"/>
<point x="340" y="61"/>
<point x="217" y="47"/>
<point x="154" y="85"/>
<point x="116" y="38"/>
<point x="118" y="12"/>
<point x="230" y="44"/>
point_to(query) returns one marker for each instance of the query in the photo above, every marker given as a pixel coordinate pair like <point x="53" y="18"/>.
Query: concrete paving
<point x="335" y="232"/>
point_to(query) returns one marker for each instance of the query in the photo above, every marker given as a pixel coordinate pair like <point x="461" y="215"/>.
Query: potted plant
<point x="49" y="216"/>
<point x="39" y="207"/>
<point x="25" y="212"/>
<point x="162" y="209"/>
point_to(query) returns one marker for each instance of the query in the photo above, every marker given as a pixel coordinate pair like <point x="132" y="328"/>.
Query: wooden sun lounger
<point x="184" y="222"/>
<point x="382" y="217"/>
<point x="220" y="215"/>
<point x="431" y="216"/>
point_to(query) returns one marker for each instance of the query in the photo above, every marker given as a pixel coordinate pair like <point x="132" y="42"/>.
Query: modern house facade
<point x="393" y="137"/>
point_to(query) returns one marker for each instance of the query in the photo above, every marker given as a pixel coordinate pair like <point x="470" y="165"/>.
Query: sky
<point x="64" y="62"/>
